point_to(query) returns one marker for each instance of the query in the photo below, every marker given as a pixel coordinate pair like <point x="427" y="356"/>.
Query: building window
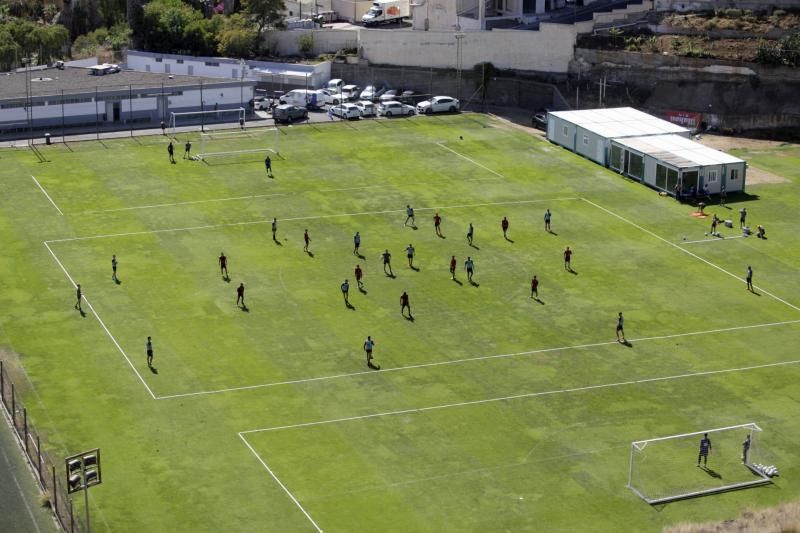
<point x="180" y="61"/>
<point x="212" y="63"/>
<point x="616" y="157"/>
<point x="712" y="176"/>
<point x="566" y="131"/>
<point x="586" y="140"/>
<point x="635" y="165"/>
<point x="734" y="174"/>
<point x="159" y="59"/>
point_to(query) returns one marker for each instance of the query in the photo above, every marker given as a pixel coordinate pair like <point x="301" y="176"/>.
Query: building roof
<point x="73" y="80"/>
<point x="619" y="122"/>
<point x="677" y="151"/>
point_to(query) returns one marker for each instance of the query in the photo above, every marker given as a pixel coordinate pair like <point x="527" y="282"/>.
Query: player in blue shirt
<point x="705" y="449"/>
<point x="410" y="216"/>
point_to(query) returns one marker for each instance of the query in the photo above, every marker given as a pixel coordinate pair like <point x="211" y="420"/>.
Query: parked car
<point x="350" y="92"/>
<point x="438" y="104"/>
<point x="539" y="121"/>
<point x="308" y="98"/>
<point x="367" y="108"/>
<point x="288" y="113"/>
<point x="393" y="108"/>
<point x="407" y="97"/>
<point x="348" y="111"/>
<point x="335" y="85"/>
<point x="262" y="103"/>
<point x="330" y="96"/>
<point x="371" y="92"/>
<point x="389" y="96"/>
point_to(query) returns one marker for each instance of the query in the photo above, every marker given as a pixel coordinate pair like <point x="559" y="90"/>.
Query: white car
<point x="351" y="92"/>
<point x="367" y="108"/>
<point x="348" y="111"/>
<point x="329" y="96"/>
<point x="438" y="104"/>
<point x="371" y="92"/>
<point x="389" y="96"/>
<point x="262" y="103"/>
<point x="392" y="109"/>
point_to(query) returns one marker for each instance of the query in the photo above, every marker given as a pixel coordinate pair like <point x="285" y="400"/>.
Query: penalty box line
<point x="102" y="324"/>
<point x="684" y="250"/>
<point x="312" y="217"/>
<point x="552" y="392"/>
<point x="441" y="144"/>
<point x="468" y="360"/>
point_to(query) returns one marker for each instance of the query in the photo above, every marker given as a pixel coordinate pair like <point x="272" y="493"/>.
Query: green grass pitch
<point x="493" y="411"/>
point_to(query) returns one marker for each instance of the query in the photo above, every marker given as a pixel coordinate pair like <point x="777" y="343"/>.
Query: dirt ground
<point x="755" y="175"/>
<point x="782" y="518"/>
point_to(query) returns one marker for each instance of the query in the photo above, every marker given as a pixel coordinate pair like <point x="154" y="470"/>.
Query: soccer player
<point x="187" y="149"/>
<point x="240" y="294"/>
<point x="567" y="259"/>
<point x="268" y="166"/>
<point x="437" y="222"/>
<point x="356" y="243"/>
<point x="163" y="128"/>
<point x="410" y="255"/>
<point x="535" y="287"/>
<point x="149" y="350"/>
<point x="171" y="152"/>
<point x="404" y="303"/>
<point x="79" y="294"/>
<point x="369" y="344"/>
<point x="547" y="220"/>
<point x="346" y="292"/>
<point x="504" y="225"/>
<point x="742" y="217"/>
<point x="470" y="233"/>
<point x="274" y="229"/>
<point x="745" y="448"/>
<point x="705" y="449"/>
<point x="749" y="278"/>
<point x="223" y="265"/>
<point x="620" y="328"/>
<point x="359" y="275"/>
<point x="714" y="222"/>
<point x="410" y="216"/>
<point x="306" y="240"/>
<point x="453" y="267"/>
<point x="114" y="267"/>
<point x="387" y="263"/>
<point x="723" y="195"/>
<point x="469" y="266"/>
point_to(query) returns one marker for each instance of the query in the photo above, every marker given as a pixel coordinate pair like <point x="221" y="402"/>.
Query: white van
<point x="307" y="98"/>
<point x="335" y="85"/>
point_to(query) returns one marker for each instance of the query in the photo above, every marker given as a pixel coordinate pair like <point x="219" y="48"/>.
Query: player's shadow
<point x="363" y="258"/>
<point x="538" y="301"/>
<point x="362" y="290"/>
<point x="474" y="246"/>
<point x="457" y="281"/>
<point x="441" y="236"/>
<point x="474" y="283"/>
<point x="226" y="278"/>
<point x="711" y="472"/>
<point x="153" y="369"/>
<point x="415" y="228"/>
<point x="310" y="253"/>
<point x="82" y="312"/>
<point x="415" y="269"/>
<point x="754" y="293"/>
<point x="245" y="309"/>
<point x="509" y="240"/>
<point x="410" y="318"/>
<point x="390" y="275"/>
<point x="552" y="232"/>
<point x="350" y="306"/>
<point x="118" y="281"/>
<point x="373" y="366"/>
<point x="276" y="241"/>
<point x="573" y="272"/>
<point x="627" y="343"/>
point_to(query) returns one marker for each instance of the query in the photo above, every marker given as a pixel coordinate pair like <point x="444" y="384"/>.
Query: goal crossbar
<point x="174" y="117"/>
<point x="224" y="143"/>
<point x="643" y="443"/>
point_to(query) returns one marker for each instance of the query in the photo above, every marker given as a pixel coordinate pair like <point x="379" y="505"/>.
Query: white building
<point x="646" y="148"/>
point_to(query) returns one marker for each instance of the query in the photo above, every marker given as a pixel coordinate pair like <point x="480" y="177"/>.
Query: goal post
<point x="674" y="467"/>
<point x="215" y="144"/>
<point x="235" y="115"/>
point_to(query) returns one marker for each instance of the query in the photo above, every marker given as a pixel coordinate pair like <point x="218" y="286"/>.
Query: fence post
<point x="39" y="458"/>
<point x="25" y="430"/>
<point x="71" y="518"/>
<point x="55" y="490"/>
<point x="13" y="408"/>
<point x="2" y="385"/>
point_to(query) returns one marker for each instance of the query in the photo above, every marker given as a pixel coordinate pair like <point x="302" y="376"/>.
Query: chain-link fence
<point x="45" y="470"/>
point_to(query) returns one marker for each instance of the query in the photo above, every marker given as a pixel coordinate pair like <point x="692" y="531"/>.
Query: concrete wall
<point x="286" y="43"/>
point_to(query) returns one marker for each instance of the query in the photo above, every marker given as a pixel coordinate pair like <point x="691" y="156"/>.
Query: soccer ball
<point x="706" y="234"/>
<point x="684" y="237"/>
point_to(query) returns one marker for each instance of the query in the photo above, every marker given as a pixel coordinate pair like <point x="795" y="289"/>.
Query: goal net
<point x="201" y="118"/>
<point x="666" y="468"/>
<point x="218" y="144"/>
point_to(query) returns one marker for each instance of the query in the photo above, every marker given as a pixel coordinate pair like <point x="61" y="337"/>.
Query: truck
<point x="383" y="11"/>
<point x="310" y="99"/>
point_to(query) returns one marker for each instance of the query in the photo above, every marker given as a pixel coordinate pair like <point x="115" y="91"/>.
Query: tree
<point x="202" y="36"/>
<point x="8" y="50"/>
<point x="165" y="25"/>
<point x="264" y="13"/>
<point x="50" y="42"/>
<point x="236" y="42"/>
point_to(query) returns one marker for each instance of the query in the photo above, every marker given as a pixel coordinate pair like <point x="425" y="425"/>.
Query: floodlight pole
<point x="86" y="497"/>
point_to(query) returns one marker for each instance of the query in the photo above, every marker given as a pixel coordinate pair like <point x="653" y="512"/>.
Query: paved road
<point x="20" y="507"/>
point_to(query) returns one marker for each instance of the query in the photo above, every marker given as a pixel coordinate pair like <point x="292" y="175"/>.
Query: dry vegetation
<point x="782" y="519"/>
<point x="734" y="19"/>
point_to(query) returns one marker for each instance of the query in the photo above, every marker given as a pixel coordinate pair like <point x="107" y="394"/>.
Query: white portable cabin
<point x="588" y="132"/>
<point x="664" y="161"/>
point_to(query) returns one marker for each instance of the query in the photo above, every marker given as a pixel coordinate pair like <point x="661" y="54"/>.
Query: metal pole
<point x="13" y="408"/>
<point x="85" y="497"/>
<point x="130" y="107"/>
<point x="96" y="117"/>
<point x="71" y="518"/>
<point x="2" y="385"/>
<point x="202" y="108"/>
<point x="55" y="490"/>
<point x="39" y="458"/>
<point x="63" y="121"/>
<point x="630" y="467"/>
<point x="25" y="430"/>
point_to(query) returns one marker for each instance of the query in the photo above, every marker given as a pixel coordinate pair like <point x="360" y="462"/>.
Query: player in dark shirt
<point x="404" y="304"/>
<point x="567" y="259"/>
<point x="268" y="166"/>
<point x="356" y="243"/>
<point x="223" y="265"/>
<point x="453" y="267"/>
<point x="387" y="263"/>
<point x="79" y="294"/>
<point x="240" y="294"/>
<point x="534" y="287"/>
<point x="114" y="267"/>
<point x="749" y="278"/>
<point x="437" y="222"/>
<point x="470" y="234"/>
<point x="620" y="328"/>
<point x="359" y="275"/>
<point x="547" y="220"/>
<point x="306" y="240"/>
<point x="274" y="229"/>
<point x="504" y="225"/>
<point x="187" y="150"/>
<point x="745" y="448"/>
<point x="705" y="449"/>
<point x="149" y="350"/>
<point x="171" y="152"/>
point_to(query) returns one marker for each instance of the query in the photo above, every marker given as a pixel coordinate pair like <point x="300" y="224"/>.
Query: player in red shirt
<point x="240" y="294"/>
<point x="404" y="303"/>
<point x="535" y="287"/>
<point x="359" y="275"/>
<point x="223" y="265"/>
<point x="437" y="222"/>
<point x="453" y="267"/>
<point x="504" y="225"/>
<point x="567" y="258"/>
<point x="307" y="240"/>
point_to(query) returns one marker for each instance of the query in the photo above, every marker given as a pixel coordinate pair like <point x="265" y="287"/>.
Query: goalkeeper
<point x="745" y="449"/>
<point x="705" y="449"/>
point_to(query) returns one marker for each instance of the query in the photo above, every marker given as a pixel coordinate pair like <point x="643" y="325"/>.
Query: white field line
<point x="46" y="195"/>
<point x="441" y="143"/>
<point x="715" y="239"/>
<point x="102" y="324"/>
<point x="278" y="481"/>
<point x="229" y="199"/>
<point x="706" y="261"/>
<point x="526" y="395"/>
<point x="294" y="219"/>
<point x="470" y="359"/>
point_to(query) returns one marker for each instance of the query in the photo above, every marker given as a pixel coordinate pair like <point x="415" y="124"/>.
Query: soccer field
<point x="492" y="411"/>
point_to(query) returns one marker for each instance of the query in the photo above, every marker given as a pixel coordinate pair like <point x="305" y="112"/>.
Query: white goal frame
<point x="637" y="446"/>
<point x="241" y="117"/>
<point x="270" y="134"/>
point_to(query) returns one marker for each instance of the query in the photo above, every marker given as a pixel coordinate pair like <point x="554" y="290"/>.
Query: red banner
<point x="686" y="119"/>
